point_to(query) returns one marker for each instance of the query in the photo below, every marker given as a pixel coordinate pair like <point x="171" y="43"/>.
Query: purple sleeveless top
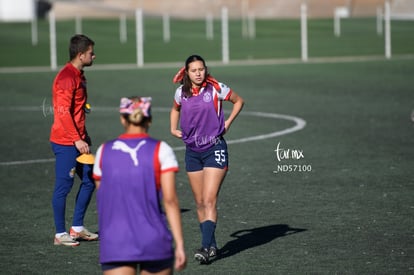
<point x="132" y="225"/>
<point x="201" y="122"/>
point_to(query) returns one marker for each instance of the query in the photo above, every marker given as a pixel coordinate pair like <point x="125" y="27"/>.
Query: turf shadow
<point x="249" y="238"/>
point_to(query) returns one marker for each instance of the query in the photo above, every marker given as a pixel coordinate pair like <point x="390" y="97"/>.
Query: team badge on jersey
<point x="207" y="97"/>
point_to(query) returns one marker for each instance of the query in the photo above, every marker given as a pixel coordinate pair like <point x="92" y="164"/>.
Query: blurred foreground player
<point x="135" y="180"/>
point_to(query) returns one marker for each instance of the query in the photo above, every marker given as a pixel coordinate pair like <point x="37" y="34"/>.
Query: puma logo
<point x="119" y="145"/>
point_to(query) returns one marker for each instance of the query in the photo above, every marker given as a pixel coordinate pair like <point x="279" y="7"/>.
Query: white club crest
<point x="206" y="97"/>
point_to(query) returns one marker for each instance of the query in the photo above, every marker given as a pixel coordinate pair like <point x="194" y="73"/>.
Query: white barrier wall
<point x="17" y="10"/>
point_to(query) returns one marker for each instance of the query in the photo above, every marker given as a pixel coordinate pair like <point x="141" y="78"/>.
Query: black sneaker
<point x="212" y="252"/>
<point x="202" y="255"/>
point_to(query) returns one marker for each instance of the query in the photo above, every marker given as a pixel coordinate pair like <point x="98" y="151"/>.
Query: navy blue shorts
<point x="150" y="266"/>
<point x="216" y="157"/>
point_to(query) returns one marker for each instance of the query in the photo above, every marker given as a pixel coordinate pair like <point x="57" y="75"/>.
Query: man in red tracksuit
<point x="69" y="139"/>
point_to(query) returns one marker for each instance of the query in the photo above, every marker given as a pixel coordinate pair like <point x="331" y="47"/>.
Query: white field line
<point x="251" y="62"/>
<point x="299" y="124"/>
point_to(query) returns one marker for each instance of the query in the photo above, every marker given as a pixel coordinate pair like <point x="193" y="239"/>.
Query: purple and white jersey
<point x="202" y="116"/>
<point x="132" y="225"/>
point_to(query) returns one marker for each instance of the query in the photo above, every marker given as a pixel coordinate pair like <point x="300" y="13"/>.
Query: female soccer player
<point x="135" y="176"/>
<point x="198" y="109"/>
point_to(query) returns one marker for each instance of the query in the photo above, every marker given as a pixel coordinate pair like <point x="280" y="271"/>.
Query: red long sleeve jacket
<point x="69" y="98"/>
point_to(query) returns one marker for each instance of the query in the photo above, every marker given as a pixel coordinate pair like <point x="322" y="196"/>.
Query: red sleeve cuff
<point x="171" y="169"/>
